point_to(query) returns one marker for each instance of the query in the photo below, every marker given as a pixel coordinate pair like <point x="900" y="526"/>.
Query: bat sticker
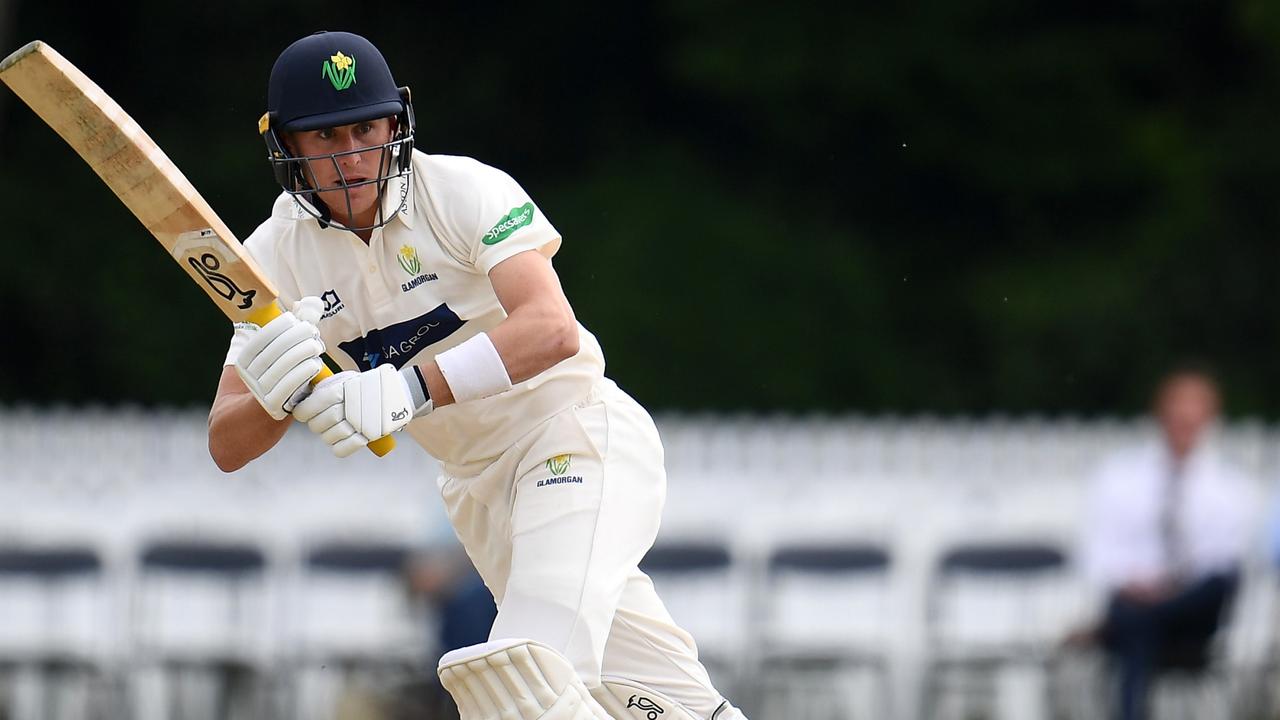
<point x="205" y="252"/>
<point x="207" y="267"/>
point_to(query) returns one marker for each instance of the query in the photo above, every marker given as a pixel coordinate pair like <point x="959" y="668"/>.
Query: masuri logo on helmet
<point x="341" y="71"/>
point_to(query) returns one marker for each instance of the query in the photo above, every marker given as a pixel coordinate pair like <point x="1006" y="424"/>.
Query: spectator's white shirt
<point x="1123" y="541"/>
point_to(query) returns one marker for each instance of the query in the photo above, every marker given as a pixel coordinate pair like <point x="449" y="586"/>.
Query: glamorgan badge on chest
<point x="409" y="262"/>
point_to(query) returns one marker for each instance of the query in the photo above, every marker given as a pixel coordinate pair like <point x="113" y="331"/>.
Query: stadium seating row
<point x="830" y="567"/>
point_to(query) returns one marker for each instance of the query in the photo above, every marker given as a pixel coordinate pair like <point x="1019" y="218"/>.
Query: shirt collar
<point x="398" y="187"/>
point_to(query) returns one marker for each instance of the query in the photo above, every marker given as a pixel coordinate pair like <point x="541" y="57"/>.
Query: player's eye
<point x="365" y="128"/>
<point x="325" y="134"/>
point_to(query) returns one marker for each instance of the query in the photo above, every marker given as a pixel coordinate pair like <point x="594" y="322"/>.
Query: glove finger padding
<point x="328" y="394"/>
<point x="328" y="419"/>
<point x="258" y="365"/>
<point x="378" y="402"/>
<point x="349" y="444"/>
<point x="348" y="409"/>
<point x="268" y="343"/>
<point x="304" y="388"/>
<point x="337" y="432"/>
<point x="261" y="337"/>
<point x="278" y="360"/>
<point x="324" y="412"/>
<point x="281" y="372"/>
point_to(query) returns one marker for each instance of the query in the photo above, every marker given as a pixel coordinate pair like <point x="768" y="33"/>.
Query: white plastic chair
<point x="826" y="632"/>
<point x="705" y="590"/>
<point x="352" y="623"/>
<point x="202" y="630"/>
<point x="997" y="611"/>
<point x="57" y="612"/>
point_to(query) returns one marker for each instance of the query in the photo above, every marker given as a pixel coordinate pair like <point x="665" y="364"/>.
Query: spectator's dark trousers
<point x="1143" y="638"/>
<point x="467" y="615"/>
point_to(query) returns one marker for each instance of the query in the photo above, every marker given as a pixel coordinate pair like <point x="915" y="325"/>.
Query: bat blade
<point x="148" y="183"/>
<point x="142" y="176"/>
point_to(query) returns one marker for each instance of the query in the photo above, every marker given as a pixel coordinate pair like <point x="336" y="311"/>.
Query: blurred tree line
<point x="936" y="206"/>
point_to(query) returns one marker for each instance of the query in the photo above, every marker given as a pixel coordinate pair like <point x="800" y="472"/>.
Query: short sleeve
<point x="487" y="215"/>
<point x="263" y="246"/>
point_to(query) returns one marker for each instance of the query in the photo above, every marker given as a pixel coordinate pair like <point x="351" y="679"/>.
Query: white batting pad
<point x="513" y="678"/>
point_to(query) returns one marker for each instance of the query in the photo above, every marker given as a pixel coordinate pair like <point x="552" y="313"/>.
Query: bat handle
<point x="380" y="446"/>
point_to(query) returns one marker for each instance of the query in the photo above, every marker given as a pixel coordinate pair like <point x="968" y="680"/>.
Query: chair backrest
<point x="350" y="557"/>
<point x="350" y="602"/>
<point x="1008" y="596"/>
<point x="49" y="564"/>
<point x="203" y="558"/>
<point x="1010" y="558"/>
<point x="828" y="600"/>
<point x="55" y="603"/>
<point x="693" y="557"/>
<point x="202" y="600"/>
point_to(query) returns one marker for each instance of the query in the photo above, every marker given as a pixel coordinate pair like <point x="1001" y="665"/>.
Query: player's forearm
<point x="534" y="338"/>
<point x="240" y="430"/>
<point x="528" y="342"/>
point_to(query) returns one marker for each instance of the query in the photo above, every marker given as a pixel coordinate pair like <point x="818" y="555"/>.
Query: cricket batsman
<point x="428" y="279"/>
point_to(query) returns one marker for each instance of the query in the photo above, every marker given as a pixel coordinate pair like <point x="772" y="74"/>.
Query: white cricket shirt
<point x="421" y="286"/>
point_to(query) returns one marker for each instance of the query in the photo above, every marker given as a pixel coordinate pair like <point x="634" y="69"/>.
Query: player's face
<point x="1185" y="407"/>
<point x="347" y="168"/>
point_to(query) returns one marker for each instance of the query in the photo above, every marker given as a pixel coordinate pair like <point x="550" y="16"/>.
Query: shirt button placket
<point x="379" y="292"/>
<point x="378" y="289"/>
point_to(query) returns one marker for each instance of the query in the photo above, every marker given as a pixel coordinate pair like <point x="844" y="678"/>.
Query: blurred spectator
<point x="442" y="574"/>
<point x="1167" y="530"/>
<point x="465" y="607"/>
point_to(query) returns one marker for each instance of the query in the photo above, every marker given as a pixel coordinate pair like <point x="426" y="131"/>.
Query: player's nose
<point x="349" y="148"/>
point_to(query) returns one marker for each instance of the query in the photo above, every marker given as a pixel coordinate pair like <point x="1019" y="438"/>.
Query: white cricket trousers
<point x="556" y="526"/>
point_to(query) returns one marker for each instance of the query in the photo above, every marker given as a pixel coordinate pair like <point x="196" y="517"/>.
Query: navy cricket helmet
<point x="326" y="80"/>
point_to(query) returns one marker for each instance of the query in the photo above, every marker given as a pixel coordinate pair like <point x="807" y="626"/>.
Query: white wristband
<point x="474" y="369"/>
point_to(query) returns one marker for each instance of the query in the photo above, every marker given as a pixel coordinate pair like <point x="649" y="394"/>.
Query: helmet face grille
<point x="395" y="161"/>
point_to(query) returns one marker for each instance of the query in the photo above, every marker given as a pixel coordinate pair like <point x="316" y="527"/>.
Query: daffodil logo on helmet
<point x="340" y="70"/>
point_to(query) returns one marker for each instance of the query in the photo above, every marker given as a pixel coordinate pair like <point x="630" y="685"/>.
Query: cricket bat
<point x="149" y="184"/>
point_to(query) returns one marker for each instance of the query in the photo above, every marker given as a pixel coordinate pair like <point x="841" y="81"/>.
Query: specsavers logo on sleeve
<point x="511" y="222"/>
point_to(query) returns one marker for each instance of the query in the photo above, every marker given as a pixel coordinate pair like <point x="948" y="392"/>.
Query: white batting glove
<point x="350" y="409"/>
<point x="278" y="360"/>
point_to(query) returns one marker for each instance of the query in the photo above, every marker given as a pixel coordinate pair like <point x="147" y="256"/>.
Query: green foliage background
<point x="945" y="206"/>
